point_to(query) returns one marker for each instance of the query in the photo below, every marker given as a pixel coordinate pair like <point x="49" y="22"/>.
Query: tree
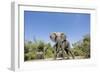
<point x="37" y="49"/>
<point x="82" y="47"/>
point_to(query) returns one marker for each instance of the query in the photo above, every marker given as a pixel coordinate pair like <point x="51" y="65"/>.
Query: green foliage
<point x="49" y="51"/>
<point x="82" y="47"/>
<point x="37" y="50"/>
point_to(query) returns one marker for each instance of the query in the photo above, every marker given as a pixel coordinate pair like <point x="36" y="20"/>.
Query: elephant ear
<point x="53" y="37"/>
<point x="63" y="36"/>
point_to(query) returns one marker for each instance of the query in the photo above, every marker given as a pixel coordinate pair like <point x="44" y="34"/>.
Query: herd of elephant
<point x="61" y="46"/>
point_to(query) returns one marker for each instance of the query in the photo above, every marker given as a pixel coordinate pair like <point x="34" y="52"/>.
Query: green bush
<point x="33" y="50"/>
<point x="82" y="47"/>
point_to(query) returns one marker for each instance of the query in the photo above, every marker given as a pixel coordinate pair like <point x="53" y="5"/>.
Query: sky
<point x="39" y="25"/>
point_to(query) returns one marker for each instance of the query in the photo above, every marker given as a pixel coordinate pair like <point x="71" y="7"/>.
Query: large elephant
<point x="61" y="44"/>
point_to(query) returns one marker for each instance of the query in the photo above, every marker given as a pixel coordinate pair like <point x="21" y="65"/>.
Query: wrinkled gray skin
<point x="61" y="44"/>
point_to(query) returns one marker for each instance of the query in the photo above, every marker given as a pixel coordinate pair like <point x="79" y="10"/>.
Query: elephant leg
<point x="67" y="53"/>
<point x="55" y="53"/>
<point x="63" y="53"/>
<point x="71" y="54"/>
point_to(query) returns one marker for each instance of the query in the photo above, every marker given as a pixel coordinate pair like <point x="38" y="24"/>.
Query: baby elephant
<point x="61" y="44"/>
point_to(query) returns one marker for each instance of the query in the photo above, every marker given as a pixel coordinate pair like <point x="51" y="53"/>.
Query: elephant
<point x="61" y="44"/>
